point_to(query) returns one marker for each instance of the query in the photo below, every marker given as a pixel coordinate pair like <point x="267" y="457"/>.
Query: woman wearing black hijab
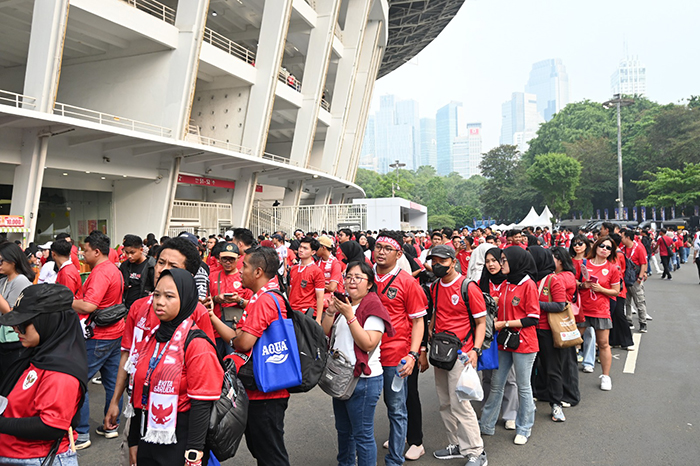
<point x="549" y="380"/>
<point x="45" y="386"/>
<point x="352" y="251"/>
<point x="172" y="405"/>
<point x="518" y="311"/>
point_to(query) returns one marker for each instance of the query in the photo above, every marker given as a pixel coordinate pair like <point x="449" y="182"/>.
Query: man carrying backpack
<point x="636" y="253"/>
<point x="452" y="314"/>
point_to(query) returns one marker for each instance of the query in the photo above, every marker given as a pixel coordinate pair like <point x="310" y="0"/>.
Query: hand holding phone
<point x="341" y="296"/>
<point x="594" y="279"/>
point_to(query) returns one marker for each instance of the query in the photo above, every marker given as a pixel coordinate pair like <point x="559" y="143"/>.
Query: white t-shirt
<point x="282" y="254"/>
<point x="47" y="273"/>
<point x="345" y="343"/>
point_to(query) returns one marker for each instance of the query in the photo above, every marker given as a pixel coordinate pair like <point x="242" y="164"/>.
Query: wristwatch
<point x="194" y="455"/>
<point x="415" y="355"/>
<point x="477" y="351"/>
<point x="507" y="323"/>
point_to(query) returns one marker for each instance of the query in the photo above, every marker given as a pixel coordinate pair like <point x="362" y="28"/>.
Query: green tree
<point x="506" y="194"/>
<point x="671" y="187"/>
<point x="598" y="185"/>
<point x="440" y="221"/>
<point x="556" y="176"/>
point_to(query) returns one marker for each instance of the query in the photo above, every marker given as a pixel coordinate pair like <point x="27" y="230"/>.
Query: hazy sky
<point x="487" y="51"/>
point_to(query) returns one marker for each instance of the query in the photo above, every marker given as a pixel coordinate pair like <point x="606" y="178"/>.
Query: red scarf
<point x="370" y="305"/>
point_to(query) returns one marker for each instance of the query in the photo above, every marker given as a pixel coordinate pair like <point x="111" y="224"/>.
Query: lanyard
<point x="147" y="382"/>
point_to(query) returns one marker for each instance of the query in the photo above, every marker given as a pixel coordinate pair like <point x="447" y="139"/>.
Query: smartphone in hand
<point x="340" y="296"/>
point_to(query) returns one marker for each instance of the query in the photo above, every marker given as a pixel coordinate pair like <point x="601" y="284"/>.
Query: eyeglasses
<point x="504" y="260"/>
<point x="355" y="278"/>
<point x="579" y="243"/>
<point x="605" y="246"/>
<point x="227" y="259"/>
<point x="21" y="328"/>
<point x="386" y="249"/>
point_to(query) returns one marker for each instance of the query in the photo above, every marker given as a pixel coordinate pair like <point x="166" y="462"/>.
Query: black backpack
<point x="631" y="272"/>
<point x="313" y="347"/>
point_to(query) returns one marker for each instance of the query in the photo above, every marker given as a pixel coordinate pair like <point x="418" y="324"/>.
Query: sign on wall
<point x="11" y="221"/>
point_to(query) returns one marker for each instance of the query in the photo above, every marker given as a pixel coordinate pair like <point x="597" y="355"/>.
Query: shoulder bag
<point x="443" y="345"/>
<point x="338" y="378"/>
<point x="565" y="333"/>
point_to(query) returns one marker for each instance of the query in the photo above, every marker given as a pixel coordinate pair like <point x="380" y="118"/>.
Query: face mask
<point x="440" y="270"/>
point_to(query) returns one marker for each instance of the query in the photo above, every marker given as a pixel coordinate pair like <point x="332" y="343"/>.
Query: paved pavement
<point x="651" y="417"/>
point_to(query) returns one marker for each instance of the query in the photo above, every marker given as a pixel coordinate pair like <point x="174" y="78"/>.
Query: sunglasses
<point x="21" y="328"/>
<point x="605" y="246"/>
<point x="579" y="243"/>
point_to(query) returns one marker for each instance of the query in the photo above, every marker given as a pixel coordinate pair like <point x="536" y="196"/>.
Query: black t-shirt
<point x="132" y="286"/>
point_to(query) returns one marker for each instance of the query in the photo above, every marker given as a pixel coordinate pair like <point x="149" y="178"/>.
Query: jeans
<point x="526" y="411"/>
<point x="398" y="417"/>
<point x="685" y="252"/>
<point x="264" y="432"/>
<point x="103" y="356"/>
<point x="589" y="347"/>
<point x="354" y="421"/>
<point x="68" y="458"/>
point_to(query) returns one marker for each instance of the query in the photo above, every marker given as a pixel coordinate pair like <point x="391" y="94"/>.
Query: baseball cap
<point x="325" y="241"/>
<point x="230" y="250"/>
<point x="46" y="245"/>
<point x="442" y="251"/>
<point x="38" y="299"/>
<point x="192" y="238"/>
<point x="277" y="237"/>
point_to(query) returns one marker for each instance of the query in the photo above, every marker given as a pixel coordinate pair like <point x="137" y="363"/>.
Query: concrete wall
<point x="139" y="206"/>
<point x="12" y="79"/>
<point x="220" y="113"/>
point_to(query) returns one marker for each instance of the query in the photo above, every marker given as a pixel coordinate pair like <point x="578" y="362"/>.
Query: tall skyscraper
<point x="447" y="126"/>
<point x="629" y="78"/>
<point x="395" y="134"/>
<point x="520" y="120"/>
<point x="550" y="83"/>
<point x="428" y="142"/>
<point x="466" y="150"/>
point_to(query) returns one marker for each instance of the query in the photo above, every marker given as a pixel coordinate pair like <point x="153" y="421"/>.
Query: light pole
<point x="619" y="102"/>
<point x="396" y="165"/>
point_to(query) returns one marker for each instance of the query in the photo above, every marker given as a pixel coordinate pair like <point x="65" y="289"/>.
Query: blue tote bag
<point x="276" y="362"/>
<point x="489" y="357"/>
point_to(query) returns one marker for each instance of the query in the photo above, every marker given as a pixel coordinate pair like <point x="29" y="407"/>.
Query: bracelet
<point x="352" y="320"/>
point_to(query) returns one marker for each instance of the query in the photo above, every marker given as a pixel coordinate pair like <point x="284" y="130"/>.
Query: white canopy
<point x="545" y="218"/>
<point x="530" y="220"/>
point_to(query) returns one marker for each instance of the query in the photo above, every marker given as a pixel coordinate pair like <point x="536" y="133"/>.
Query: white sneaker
<point x="510" y="424"/>
<point x="605" y="382"/>
<point x="588" y="369"/>
<point x="649" y="317"/>
<point x="520" y="440"/>
<point x="415" y="452"/>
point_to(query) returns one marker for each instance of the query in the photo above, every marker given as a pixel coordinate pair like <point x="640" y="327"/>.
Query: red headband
<point x="386" y="239"/>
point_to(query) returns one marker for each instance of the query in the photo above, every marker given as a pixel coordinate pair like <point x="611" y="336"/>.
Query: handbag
<point x="104" y="318"/>
<point x="444" y="345"/>
<point x="565" y="333"/>
<point x="508" y="338"/>
<point x="276" y="362"/>
<point x="338" y="376"/>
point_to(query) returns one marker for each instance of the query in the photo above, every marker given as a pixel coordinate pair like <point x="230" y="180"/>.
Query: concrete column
<point x="315" y="69"/>
<point x="273" y="35"/>
<point x="243" y="197"/>
<point x="292" y="194"/>
<point x="184" y="63"/>
<point x="49" y="21"/>
<point x="29" y="177"/>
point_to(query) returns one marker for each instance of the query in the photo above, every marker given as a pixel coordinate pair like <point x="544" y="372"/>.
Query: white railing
<point x="289" y="79"/>
<point x="111" y="120"/>
<point x="193" y="132"/>
<point x="203" y="218"/>
<point x="308" y="218"/>
<point x="154" y="8"/>
<point x="16" y="100"/>
<point x="325" y="105"/>
<point x="227" y="45"/>
<point x="279" y="158"/>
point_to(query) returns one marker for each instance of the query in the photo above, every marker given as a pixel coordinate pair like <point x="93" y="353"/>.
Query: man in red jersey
<point x="306" y="282"/>
<point x="636" y="253"/>
<point x="67" y="274"/>
<point x="102" y="289"/>
<point x="404" y="299"/>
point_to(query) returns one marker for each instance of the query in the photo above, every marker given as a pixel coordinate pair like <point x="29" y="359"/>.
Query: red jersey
<point x="463" y="257"/>
<point x="332" y="271"/>
<point x="69" y="276"/>
<point x="74" y="257"/>
<point x="637" y="254"/>
<point x="304" y="281"/>
<point x="669" y="247"/>
<point x="568" y="280"/>
<point x="451" y="310"/>
<point x="405" y="301"/>
<point x="141" y="320"/>
<point x="518" y="302"/>
<point x="104" y="287"/>
<point x="621" y="267"/>
<point x="54" y="397"/>
<point x="258" y="315"/>
<point x="113" y="257"/>
<point x="552" y="291"/>
<point x="594" y="304"/>
<point x="221" y="282"/>
<point x="201" y="358"/>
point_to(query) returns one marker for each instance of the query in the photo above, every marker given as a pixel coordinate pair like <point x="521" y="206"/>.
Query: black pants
<point x="151" y="454"/>
<point x="414" y="435"/>
<point x="665" y="260"/>
<point x="620" y="334"/>
<point x="264" y="433"/>
<point x="572" y="393"/>
<point x="550" y="370"/>
<point x="697" y="263"/>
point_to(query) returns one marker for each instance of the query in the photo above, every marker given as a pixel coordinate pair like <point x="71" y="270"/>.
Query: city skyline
<point x="486" y="53"/>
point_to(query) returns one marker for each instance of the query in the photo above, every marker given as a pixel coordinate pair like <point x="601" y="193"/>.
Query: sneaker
<point x="628" y="348"/>
<point x="107" y="433"/>
<point x="449" y="453"/>
<point x="605" y="383"/>
<point x="558" y="414"/>
<point x="414" y="452"/>
<point x="510" y="424"/>
<point x="97" y="380"/>
<point x="649" y="317"/>
<point x="588" y="369"/>
<point x="520" y="440"/>
<point x="564" y="404"/>
<point x="642" y="328"/>
<point x="82" y="444"/>
<point x="480" y="460"/>
<point x="634" y="311"/>
<point x="631" y="326"/>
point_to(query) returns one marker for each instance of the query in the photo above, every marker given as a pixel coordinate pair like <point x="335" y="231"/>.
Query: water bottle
<point x="462" y="357"/>
<point x="584" y="270"/>
<point x="397" y="383"/>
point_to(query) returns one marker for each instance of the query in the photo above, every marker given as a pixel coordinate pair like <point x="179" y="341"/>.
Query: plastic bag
<point x="469" y="385"/>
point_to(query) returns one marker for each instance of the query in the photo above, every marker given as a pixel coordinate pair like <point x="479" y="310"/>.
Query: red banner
<point x="258" y="188"/>
<point x="11" y="221"/>
<point x="202" y="181"/>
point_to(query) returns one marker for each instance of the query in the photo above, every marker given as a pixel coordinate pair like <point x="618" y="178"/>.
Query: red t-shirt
<point x="74" y="257"/>
<point x="113" y="257"/>
<point x="104" y="288"/>
<point x="463" y="258"/>
<point x="258" y="315"/>
<point x="621" y="267"/>
<point x="201" y="359"/>
<point x="594" y="304"/>
<point x="141" y="320"/>
<point x="569" y="282"/>
<point x="451" y="310"/>
<point x="553" y="287"/>
<point x="54" y="397"/>
<point x="230" y="283"/>
<point x="518" y="302"/>
<point x="637" y="254"/>
<point x="304" y="280"/>
<point x="405" y="301"/>
<point x="69" y="276"/>
<point x="663" y="251"/>
<point x="332" y="271"/>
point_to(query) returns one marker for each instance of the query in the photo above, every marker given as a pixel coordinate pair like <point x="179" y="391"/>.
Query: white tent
<point x="530" y="220"/>
<point x="545" y="218"/>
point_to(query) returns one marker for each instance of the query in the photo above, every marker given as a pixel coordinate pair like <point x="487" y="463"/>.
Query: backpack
<point x="491" y="313"/>
<point x="631" y="272"/>
<point x="313" y="347"/>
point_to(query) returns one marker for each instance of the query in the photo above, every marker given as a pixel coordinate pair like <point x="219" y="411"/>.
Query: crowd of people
<point x="143" y="314"/>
